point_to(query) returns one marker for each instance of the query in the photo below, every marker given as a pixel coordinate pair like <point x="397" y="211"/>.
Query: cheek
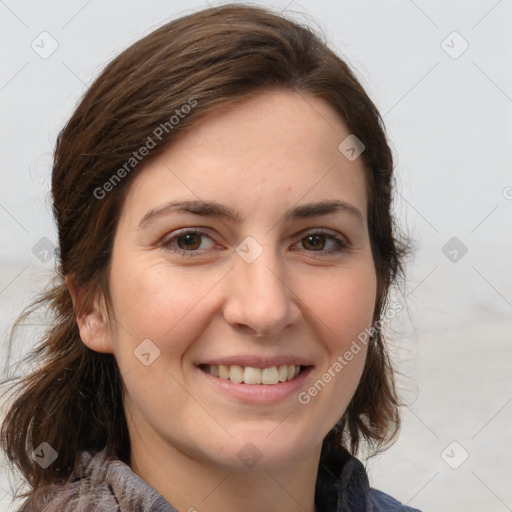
<point x="344" y="303"/>
<point x="159" y="303"/>
<point x="343" y="306"/>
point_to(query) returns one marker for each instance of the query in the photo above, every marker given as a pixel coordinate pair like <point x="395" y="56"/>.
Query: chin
<point x="257" y="450"/>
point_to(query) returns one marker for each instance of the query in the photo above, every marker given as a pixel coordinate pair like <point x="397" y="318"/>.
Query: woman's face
<point x="231" y="259"/>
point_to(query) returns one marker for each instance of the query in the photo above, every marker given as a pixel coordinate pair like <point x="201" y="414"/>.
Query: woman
<point x="222" y="195"/>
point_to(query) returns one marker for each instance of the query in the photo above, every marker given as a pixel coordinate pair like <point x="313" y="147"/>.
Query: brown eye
<point x="190" y="241"/>
<point x="323" y="243"/>
<point x="314" y="242"/>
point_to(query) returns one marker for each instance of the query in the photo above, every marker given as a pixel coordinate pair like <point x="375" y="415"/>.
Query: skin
<point x="261" y="157"/>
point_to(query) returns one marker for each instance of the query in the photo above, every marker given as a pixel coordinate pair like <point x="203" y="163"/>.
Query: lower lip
<point x="259" y="393"/>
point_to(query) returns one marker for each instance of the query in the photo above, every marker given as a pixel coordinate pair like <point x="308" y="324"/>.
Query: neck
<point x="192" y="485"/>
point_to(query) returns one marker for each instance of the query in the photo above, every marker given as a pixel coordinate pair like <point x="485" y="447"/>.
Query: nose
<point x="260" y="298"/>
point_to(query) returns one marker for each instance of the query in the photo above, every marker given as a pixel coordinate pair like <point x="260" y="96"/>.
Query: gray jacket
<point x="102" y="484"/>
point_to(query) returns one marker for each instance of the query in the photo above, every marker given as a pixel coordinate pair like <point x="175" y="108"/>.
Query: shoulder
<point x="344" y="487"/>
<point x="98" y="483"/>
<point x="84" y="490"/>
<point x="384" y="503"/>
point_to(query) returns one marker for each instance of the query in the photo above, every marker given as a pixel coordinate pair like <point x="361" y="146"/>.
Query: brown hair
<point x="205" y="60"/>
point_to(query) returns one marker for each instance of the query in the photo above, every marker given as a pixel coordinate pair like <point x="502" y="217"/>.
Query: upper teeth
<point x="251" y="375"/>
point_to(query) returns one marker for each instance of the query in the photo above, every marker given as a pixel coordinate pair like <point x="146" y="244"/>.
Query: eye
<point x="191" y="242"/>
<point x="318" y="241"/>
<point x="188" y="242"/>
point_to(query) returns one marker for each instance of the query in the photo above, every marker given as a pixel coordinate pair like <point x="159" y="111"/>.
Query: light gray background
<point x="450" y="124"/>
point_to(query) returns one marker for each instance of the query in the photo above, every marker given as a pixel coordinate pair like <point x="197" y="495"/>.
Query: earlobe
<point x="92" y="319"/>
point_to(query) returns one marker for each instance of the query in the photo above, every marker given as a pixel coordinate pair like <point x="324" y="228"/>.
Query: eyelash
<point x="166" y="243"/>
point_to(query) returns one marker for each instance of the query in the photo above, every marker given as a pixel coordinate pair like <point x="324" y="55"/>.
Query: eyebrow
<point x="214" y="209"/>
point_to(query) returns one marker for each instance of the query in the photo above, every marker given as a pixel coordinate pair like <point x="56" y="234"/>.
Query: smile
<point x="251" y="375"/>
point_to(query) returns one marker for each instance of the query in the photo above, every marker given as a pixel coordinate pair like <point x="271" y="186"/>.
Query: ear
<point x="93" y="321"/>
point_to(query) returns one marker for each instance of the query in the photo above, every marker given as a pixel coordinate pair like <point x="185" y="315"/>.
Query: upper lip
<point x="257" y="361"/>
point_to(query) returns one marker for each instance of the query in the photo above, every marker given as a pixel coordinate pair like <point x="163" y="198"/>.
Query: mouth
<point x="271" y="375"/>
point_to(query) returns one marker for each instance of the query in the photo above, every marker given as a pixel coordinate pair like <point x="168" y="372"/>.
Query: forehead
<point x="285" y="122"/>
<point x="273" y="147"/>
